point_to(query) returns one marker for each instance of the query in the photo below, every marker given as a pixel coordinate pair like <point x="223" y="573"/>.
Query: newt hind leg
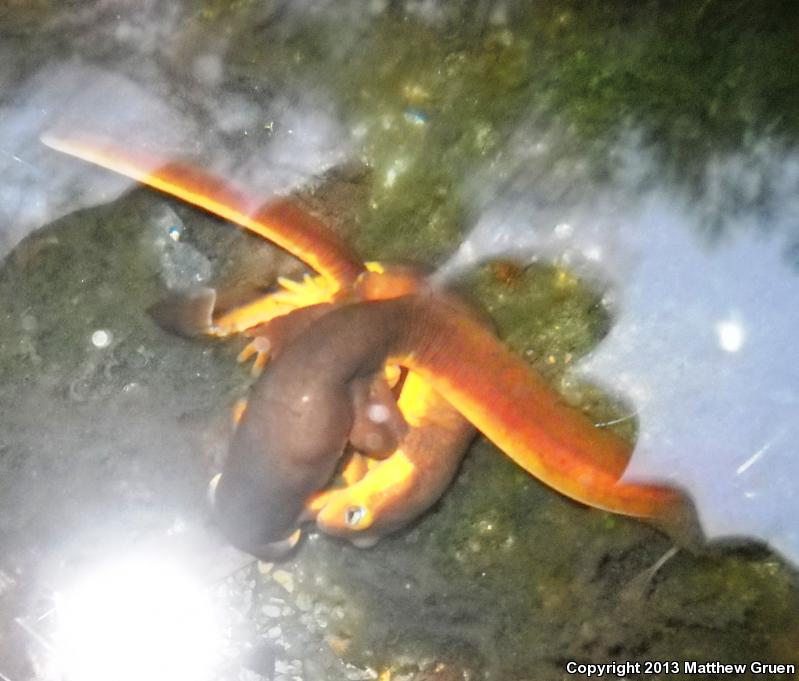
<point x="255" y="318"/>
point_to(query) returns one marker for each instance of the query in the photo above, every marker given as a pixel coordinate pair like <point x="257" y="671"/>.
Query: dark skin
<point x="301" y="415"/>
<point x="326" y="369"/>
<point x="376" y="438"/>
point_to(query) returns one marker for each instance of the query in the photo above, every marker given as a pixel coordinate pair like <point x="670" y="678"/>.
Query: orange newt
<point x="302" y="411"/>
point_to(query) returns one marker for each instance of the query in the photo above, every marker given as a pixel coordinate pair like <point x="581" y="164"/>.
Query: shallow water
<point x="642" y="160"/>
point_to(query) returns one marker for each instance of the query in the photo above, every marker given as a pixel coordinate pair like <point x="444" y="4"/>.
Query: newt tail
<point x="280" y="220"/>
<point x="512" y="405"/>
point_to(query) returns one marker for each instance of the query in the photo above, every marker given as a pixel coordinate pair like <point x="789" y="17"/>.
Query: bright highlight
<point x="136" y="619"/>
<point x="731" y="335"/>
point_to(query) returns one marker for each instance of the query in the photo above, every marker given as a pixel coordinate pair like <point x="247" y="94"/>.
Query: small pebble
<point x="288" y="667"/>
<point x="304" y="602"/>
<point x="285" y="579"/>
<point x="354" y="673"/>
<point x="338" y="644"/>
<point x="28" y="323"/>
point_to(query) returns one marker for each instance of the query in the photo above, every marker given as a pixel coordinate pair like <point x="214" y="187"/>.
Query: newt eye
<point x="353" y="515"/>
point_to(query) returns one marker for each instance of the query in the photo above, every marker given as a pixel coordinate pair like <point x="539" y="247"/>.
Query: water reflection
<point x="279" y="143"/>
<point x="703" y="342"/>
<point x="705" y="345"/>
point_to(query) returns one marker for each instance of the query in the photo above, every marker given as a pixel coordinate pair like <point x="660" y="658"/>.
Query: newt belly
<point x="392" y="493"/>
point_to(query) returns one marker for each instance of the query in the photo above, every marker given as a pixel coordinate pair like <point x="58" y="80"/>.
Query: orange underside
<point x="280" y="220"/>
<point x="521" y="414"/>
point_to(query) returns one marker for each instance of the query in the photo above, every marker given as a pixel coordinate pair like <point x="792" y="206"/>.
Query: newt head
<point x="256" y="538"/>
<point x="394" y="492"/>
<point x="375" y="505"/>
<point x="268" y="550"/>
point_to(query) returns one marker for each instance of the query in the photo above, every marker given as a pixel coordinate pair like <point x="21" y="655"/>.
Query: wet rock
<point x="180" y="264"/>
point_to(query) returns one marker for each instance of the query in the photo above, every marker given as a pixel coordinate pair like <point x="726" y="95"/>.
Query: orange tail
<point x="520" y="413"/>
<point x="281" y="220"/>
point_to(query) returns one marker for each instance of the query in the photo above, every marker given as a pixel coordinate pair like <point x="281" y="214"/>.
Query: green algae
<point x="418" y="103"/>
<point x="432" y="105"/>
<point x="544" y="313"/>
<point x="68" y="281"/>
